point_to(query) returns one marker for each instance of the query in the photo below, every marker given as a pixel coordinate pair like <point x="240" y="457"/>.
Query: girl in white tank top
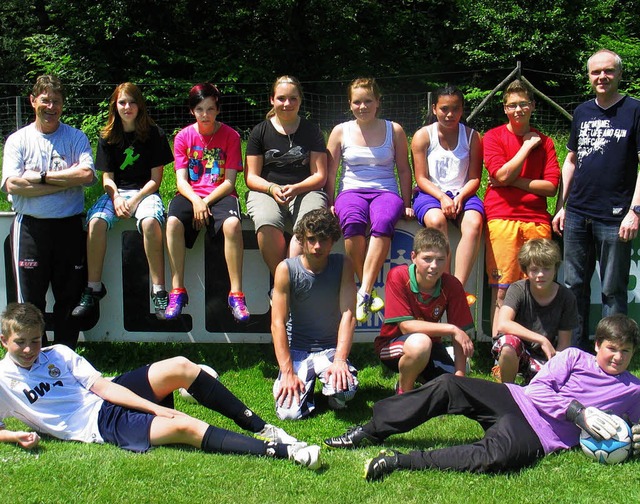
<point x="370" y="149"/>
<point x="447" y="157"/>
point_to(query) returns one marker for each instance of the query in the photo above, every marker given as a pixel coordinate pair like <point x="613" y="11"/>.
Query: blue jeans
<point x="585" y="241"/>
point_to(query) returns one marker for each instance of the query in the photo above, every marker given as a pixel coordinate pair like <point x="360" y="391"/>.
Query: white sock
<point x="95" y="286"/>
<point x="157" y="288"/>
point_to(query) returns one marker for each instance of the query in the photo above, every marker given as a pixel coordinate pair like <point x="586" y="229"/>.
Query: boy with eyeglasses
<point x="523" y="172"/>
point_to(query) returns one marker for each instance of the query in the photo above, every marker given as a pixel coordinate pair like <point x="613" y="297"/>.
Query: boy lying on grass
<point x="57" y="392"/>
<point x="521" y="424"/>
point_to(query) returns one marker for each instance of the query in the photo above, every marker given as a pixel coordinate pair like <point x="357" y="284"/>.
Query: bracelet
<point x="270" y="189"/>
<point x="339" y="360"/>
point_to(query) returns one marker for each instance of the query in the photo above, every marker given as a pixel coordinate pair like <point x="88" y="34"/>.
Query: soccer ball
<point x="186" y="395"/>
<point x="609" y="451"/>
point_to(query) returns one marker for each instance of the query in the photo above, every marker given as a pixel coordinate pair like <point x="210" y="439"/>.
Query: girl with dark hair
<point x="447" y="160"/>
<point x="208" y="157"/>
<point x="131" y="153"/>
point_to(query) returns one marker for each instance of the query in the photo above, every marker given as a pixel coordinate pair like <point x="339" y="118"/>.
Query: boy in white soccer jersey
<point x="57" y="392"/>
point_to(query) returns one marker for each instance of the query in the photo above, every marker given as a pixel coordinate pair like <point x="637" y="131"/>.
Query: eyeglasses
<point x="523" y="105"/>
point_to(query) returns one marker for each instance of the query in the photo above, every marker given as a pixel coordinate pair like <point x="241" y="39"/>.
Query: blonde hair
<point x="368" y="83"/>
<point x="541" y="252"/>
<point x="284" y="79"/>
<point x="18" y="317"/>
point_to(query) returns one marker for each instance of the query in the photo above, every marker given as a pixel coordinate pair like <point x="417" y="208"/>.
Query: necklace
<point x="291" y="135"/>
<point x="216" y="126"/>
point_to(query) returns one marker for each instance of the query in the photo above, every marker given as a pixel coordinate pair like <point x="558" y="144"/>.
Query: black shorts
<point x="223" y="209"/>
<point x="130" y="429"/>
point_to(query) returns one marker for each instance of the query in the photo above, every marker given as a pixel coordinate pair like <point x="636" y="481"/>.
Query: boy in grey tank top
<point x="312" y="320"/>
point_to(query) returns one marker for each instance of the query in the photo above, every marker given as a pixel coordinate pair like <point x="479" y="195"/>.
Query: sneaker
<point x="363" y="307"/>
<point x="238" y="307"/>
<point x="398" y="390"/>
<point x="307" y="456"/>
<point x="160" y="301"/>
<point x="378" y="467"/>
<point x="377" y="303"/>
<point x="471" y="299"/>
<point x="275" y="434"/>
<point x="353" y="438"/>
<point x="178" y="299"/>
<point x="88" y="302"/>
<point x="495" y="372"/>
<point x="336" y="403"/>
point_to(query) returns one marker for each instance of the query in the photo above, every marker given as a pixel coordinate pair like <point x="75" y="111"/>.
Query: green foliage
<point x="92" y="124"/>
<point x="629" y="50"/>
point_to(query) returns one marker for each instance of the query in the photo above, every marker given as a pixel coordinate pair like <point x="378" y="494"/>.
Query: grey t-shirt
<point x="29" y="149"/>
<point x="559" y="315"/>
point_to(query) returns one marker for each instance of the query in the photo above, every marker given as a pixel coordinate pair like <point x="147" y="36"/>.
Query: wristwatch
<point x="43" y="177"/>
<point x="636" y="209"/>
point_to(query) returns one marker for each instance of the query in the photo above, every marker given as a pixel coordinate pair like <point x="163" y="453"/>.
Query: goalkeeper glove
<point x="597" y="423"/>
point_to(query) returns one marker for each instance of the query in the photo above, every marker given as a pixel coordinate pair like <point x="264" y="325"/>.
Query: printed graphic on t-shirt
<point x="204" y="161"/>
<point x="129" y="157"/>
<point x="595" y="135"/>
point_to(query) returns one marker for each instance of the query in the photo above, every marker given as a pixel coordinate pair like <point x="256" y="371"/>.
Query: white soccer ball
<point x="609" y="451"/>
<point x="186" y="395"/>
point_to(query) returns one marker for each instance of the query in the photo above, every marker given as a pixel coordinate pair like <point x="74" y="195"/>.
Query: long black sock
<point x="209" y="392"/>
<point x="217" y="440"/>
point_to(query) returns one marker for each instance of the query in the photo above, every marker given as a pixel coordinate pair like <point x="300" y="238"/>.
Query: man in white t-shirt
<point x="45" y="166"/>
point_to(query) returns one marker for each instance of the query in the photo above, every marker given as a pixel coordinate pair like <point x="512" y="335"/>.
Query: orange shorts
<point x="504" y="240"/>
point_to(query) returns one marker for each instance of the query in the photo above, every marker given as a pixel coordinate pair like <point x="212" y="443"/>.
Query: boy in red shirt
<point x="523" y="172"/>
<point x="417" y="296"/>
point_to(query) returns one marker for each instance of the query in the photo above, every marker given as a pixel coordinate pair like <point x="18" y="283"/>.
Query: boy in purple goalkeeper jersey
<point x="522" y="424"/>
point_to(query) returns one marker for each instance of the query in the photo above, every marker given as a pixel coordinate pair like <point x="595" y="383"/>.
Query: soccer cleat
<point x="363" y="307"/>
<point x="495" y="372"/>
<point x="377" y="303"/>
<point x="275" y="434"/>
<point x="336" y="403"/>
<point x="307" y="456"/>
<point x="378" y="467"/>
<point x="238" y="306"/>
<point x="353" y="438"/>
<point x="178" y="299"/>
<point x="160" y="301"/>
<point x="471" y="299"/>
<point x="88" y="301"/>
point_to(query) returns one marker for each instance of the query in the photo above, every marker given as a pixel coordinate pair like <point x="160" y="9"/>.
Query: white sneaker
<point x="307" y="456"/>
<point x="275" y="434"/>
<point x="363" y="307"/>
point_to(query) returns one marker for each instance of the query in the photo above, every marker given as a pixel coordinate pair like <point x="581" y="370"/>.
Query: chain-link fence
<point x="247" y="105"/>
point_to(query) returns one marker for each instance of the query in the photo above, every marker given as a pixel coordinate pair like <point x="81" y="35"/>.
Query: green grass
<point x="65" y="472"/>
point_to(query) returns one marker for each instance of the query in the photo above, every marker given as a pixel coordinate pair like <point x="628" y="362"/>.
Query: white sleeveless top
<point x="448" y="169"/>
<point x="368" y="167"/>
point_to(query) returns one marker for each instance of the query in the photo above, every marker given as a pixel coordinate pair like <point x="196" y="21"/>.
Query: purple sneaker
<point x="178" y="298"/>
<point x="238" y="306"/>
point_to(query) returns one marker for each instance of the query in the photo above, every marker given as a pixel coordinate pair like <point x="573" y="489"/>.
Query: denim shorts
<point x="150" y="207"/>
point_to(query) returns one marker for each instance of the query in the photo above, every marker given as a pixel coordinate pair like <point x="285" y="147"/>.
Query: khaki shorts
<point x="264" y="211"/>
<point x="504" y="240"/>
